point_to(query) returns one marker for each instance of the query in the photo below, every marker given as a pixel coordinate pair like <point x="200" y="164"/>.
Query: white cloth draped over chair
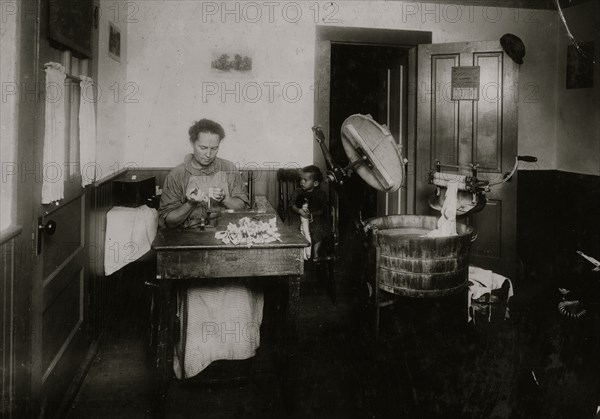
<point x="129" y="235"/>
<point x="87" y="131"/>
<point x="53" y="182"/>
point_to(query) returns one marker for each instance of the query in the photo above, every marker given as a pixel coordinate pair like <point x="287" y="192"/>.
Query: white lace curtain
<point x="87" y="131"/>
<point x="54" y="167"/>
<point x="53" y="181"/>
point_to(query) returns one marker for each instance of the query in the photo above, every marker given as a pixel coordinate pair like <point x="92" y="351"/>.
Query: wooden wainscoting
<point x="264" y="181"/>
<point x="8" y="322"/>
<point x="101" y="290"/>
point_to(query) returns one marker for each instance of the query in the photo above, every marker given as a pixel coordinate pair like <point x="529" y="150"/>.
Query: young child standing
<point x="310" y="203"/>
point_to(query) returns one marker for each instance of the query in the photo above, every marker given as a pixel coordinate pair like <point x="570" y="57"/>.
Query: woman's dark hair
<point x="205" y="125"/>
<point x="314" y="172"/>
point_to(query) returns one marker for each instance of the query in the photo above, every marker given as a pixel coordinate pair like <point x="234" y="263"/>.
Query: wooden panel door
<point x="58" y="298"/>
<point x="462" y="132"/>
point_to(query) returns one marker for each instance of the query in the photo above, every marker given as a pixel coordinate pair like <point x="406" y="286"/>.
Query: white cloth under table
<point x="223" y="322"/>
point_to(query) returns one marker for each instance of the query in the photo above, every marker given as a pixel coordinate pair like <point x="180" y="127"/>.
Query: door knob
<point x="49" y="227"/>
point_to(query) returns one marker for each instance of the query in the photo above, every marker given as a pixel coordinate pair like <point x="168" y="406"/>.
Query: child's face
<point x="307" y="183"/>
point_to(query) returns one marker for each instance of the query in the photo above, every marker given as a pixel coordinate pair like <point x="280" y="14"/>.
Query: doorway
<point x="351" y="67"/>
<point x="370" y="80"/>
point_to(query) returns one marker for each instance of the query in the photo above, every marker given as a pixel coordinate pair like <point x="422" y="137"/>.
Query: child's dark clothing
<point x="317" y="201"/>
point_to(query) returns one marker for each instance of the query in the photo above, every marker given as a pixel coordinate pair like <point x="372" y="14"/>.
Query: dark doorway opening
<point x="365" y="79"/>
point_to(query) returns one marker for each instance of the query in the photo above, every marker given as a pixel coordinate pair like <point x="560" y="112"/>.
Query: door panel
<point x="60" y="342"/>
<point x="444" y="113"/>
<point x="60" y="323"/>
<point x="487" y="224"/>
<point x="464" y="132"/>
<point x="63" y="339"/>
<point x="67" y="240"/>
<point x="487" y="116"/>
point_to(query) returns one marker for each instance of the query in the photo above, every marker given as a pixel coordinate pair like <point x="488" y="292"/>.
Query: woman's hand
<point x="195" y="197"/>
<point x="218" y="194"/>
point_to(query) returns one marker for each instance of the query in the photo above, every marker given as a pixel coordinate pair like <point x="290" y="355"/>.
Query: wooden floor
<point x="426" y="364"/>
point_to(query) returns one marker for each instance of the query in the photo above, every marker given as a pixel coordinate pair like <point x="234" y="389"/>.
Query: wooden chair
<point x="288" y="181"/>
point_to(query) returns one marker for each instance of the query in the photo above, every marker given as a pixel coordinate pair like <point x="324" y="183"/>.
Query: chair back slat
<point x="288" y="180"/>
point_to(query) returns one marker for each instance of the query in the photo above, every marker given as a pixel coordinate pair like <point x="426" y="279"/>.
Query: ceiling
<point x="522" y="4"/>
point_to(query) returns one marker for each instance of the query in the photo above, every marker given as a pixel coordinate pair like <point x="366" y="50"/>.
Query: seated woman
<point x="221" y="322"/>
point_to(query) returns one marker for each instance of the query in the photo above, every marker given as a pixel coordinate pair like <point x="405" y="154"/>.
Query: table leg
<point x="290" y="367"/>
<point x="164" y="350"/>
<point x="184" y="326"/>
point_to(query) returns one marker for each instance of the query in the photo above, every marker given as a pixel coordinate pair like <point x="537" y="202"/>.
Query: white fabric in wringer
<point x="53" y="181"/>
<point x="87" y="132"/>
<point x="447" y="221"/>
<point x="129" y="235"/>
<point x="223" y="322"/>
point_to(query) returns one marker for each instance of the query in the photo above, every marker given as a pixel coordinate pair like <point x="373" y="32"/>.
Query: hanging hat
<point x="514" y="47"/>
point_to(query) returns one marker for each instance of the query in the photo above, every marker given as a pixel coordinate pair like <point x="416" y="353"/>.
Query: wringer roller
<point x="471" y="190"/>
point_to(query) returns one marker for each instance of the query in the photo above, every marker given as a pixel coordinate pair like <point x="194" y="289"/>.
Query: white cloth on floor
<point x="129" y="235"/>
<point x="223" y="322"/>
<point x="447" y="222"/>
<point x="53" y="182"/>
<point x="482" y="281"/>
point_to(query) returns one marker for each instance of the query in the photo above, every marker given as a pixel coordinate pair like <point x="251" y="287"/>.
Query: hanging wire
<point x="569" y="34"/>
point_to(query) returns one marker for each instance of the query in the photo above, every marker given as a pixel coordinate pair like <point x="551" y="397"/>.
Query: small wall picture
<point x="231" y="63"/>
<point x="580" y="66"/>
<point x="114" y="42"/>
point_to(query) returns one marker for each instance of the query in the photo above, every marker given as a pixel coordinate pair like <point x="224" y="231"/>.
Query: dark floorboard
<point x="428" y="363"/>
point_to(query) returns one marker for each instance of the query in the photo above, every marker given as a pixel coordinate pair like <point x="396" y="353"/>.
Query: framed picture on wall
<point x="580" y="66"/>
<point x="114" y="42"/>
<point x="232" y="62"/>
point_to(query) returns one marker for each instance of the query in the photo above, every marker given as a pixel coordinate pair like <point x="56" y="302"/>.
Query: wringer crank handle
<point x="509" y="175"/>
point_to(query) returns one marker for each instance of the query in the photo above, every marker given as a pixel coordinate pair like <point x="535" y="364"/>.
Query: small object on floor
<point x="564" y="291"/>
<point x="482" y="284"/>
<point x="572" y="309"/>
<point x="535" y="379"/>
<point x="591" y="260"/>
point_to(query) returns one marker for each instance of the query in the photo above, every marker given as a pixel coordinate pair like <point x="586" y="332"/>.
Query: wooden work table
<point x="189" y="256"/>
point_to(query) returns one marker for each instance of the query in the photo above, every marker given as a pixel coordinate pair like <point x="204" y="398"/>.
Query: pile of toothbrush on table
<point x="249" y="232"/>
